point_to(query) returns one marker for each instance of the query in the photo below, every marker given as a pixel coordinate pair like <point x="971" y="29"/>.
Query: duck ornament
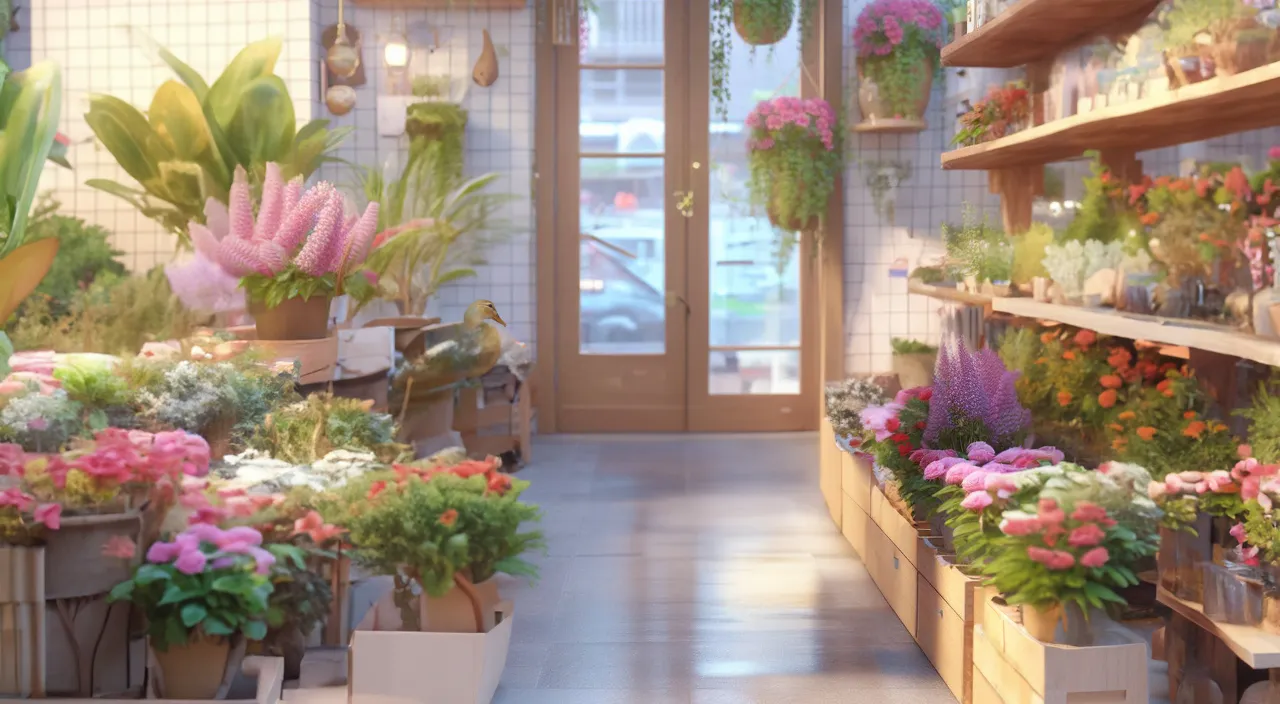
<point x="470" y="353"/>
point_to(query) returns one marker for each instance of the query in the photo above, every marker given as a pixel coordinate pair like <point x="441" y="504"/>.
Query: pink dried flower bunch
<point x="309" y="230"/>
<point x="203" y="547"/>
<point x="1065" y="539"/>
<point x="885" y="24"/>
<point x="789" y="121"/>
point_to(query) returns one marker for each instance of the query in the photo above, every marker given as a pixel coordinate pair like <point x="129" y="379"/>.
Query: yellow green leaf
<point x="176" y="117"/>
<point x="22" y="270"/>
<point x="254" y="61"/>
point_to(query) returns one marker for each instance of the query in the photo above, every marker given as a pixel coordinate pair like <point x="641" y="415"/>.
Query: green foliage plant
<point x="899" y="43"/>
<point x="432" y="527"/>
<point x="184" y="149"/>
<point x="763" y="20"/>
<point x="904" y="346"/>
<point x="1264" y="425"/>
<point x="84" y="254"/>
<point x="761" y="15"/>
<point x="1028" y="253"/>
<point x="304" y="432"/>
<point x="976" y="248"/>
<point x="1185" y="21"/>
<point x="104" y="396"/>
<point x="1104" y="213"/>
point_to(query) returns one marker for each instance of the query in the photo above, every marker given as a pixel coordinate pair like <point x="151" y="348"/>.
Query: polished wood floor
<point x="700" y="570"/>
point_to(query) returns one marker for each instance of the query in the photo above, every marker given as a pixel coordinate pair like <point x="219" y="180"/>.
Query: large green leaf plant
<point x="30" y="103"/>
<point x="185" y="147"/>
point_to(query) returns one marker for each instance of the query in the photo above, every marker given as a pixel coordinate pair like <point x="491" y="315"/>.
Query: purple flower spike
<point x="238" y="257"/>
<point x="976" y="387"/>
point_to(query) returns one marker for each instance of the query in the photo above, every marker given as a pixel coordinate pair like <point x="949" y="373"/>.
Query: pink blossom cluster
<point x="883" y="420"/>
<point x="120" y="457"/>
<point x="1049" y="524"/>
<point x="1187" y="483"/>
<point x="31" y="368"/>
<point x="1257" y="480"/>
<point x="204" y="546"/>
<point x="14" y="500"/>
<point x="885" y="24"/>
<point x="976" y="472"/>
<point x="309" y="229"/>
<point x="229" y="503"/>
<point x="792" y="122"/>
<point x="1248" y="553"/>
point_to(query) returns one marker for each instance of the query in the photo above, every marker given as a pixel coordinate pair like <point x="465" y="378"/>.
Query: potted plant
<point x="1005" y="110"/>
<point x="794" y="157"/>
<point x="1070" y="550"/>
<point x="201" y="133"/>
<point x="204" y="594"/>
<point x="763" y="22"/>
<point x="1221" y="33"/>
<point x="898" y="43"/>
<point x="443" y="532"/>
<point x="302" y="250"/>
<point x="913" y="362"/>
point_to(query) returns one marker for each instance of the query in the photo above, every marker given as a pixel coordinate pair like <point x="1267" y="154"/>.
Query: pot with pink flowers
<point x="301" y="250"/>
<point x="899" y="44"/>
<point x="794" y="156"/>
<point x="204" y="595"/>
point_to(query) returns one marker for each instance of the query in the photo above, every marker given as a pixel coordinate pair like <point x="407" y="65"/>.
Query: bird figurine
<point x="470" y="353"/>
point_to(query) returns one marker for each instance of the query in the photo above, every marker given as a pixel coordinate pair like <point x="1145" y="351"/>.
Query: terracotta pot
<point x="74" y="564"/>
<point x="203" y="668"/>
<point x="763" y="36"/>
<point x="293" y="319"/>
<point x="453" y="612"/>
<point x="22" y="622"/>
<point x="875" y="108"/>
<point x="1042" y="623"/>
<point x="915" y="369"/>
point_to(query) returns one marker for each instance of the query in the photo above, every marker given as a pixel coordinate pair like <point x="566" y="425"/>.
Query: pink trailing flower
<point x="50" y="515"/>
<point x="1237" y="531"/>
<point x="886" y="24"/>
<point x="980" y="452"/>
<point x="938" y="468"/>
<point x="977" y="501"/>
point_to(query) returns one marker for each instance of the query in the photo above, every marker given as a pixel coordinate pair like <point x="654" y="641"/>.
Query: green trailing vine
<point x="435" y="137"/>
<point x="794" y="157"/>
<point x="760" y="19"/>
<point x="721" y="51"/>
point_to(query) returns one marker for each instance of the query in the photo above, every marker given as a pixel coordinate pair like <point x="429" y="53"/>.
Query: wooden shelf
<point x="1257" y="648"/>
<point x="891" y="126"/>
<point x="461" y="5"/>
<point x="1213" y="108"/>
<point x="954" y="295"/>
<point x="1168" y="331"/>
<point x="1031" y="30"/>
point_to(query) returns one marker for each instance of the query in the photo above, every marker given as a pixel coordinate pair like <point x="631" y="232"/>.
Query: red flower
<point x="376" y="488"/>
<point x="904" y="450"/>
<point x="900" y="437"/>
<point x="926" y="394"/>
<point x="1107" y="399"/>
<point x="892" y="425"/>
<point x="920" y="425"/>
<point x="448" y="518"/>
<point x="1084" y="338"/>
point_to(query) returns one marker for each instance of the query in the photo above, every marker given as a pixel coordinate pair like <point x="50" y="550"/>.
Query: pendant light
<point x="343" y="59"/>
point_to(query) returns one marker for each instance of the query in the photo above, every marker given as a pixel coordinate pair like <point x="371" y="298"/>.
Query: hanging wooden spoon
<point x="486" y="70"/>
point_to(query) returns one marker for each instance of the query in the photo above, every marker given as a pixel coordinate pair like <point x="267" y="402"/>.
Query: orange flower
<point x="1064" y="398"/>
<point x="1069" y="355"/>
<point x="1042" y="360"/>
<point x="1111" y="381"/>
<point x="1116" y="427"/>
<point x="1216" y="427"/>
<point x="1119" y="444"/>
<point x="1194" y="429"/>
<point x="1084" y="338"/>
<point x="1204" y="237"/>
<point x="1150" y="218"/>
<point x="376" y="488"/>
<point x="1107" y="399"/>
<point x="1128" y="415"/>
<point x="448" y="518"/>
<point x="1119" y="358"/>
<point x="1046" y="338"/>
<point x="1164" y="384"/>
<point x="1146" y="432"/>
<point x="1189" y="415"/>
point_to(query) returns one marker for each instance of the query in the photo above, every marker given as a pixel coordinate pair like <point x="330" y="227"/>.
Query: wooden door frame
<point x="823" y="60"/>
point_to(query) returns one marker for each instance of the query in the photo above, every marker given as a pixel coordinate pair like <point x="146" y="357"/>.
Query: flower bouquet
<point x="898" y="43"/>
<point x="300" y="251"/>
<point x="1005" y="110"/>
<point x="794" y="156"/>
<point x="204" y="595"/>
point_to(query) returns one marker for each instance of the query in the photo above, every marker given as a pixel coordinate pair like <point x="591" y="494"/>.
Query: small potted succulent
<point x="794" y="156"/>
<point x="300" y="251"/>
<point x="898" y="44"/>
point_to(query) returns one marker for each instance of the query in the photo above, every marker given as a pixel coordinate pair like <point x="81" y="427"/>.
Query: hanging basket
<point x="759" y="33"/>
<point x="792" y="224"/>
<point x="879" y="116"/>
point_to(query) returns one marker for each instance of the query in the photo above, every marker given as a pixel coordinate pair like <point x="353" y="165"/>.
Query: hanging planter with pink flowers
<point x="899" y="44"/>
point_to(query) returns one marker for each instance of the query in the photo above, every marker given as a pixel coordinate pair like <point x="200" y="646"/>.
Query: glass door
<point x="751" y="326"/>
<point x="622" y="328"/>
<point x="690" y="312"/>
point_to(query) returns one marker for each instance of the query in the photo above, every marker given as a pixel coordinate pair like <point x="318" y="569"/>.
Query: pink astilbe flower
<point x="240" y="206"/>
<point x="317" y="255"/>
<point x="272" y="209"/>
<point x="239" y="257"/>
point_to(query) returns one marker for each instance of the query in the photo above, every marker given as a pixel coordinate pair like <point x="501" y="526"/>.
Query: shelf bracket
<point x="1017" y="188"/>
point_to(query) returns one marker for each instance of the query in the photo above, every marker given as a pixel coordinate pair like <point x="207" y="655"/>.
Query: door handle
<point x="674" y="299"/>
<point x="684" y="202"/>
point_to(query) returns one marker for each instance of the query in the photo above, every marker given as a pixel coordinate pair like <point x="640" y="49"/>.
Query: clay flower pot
<point x="293" y="319"/>
<point x="875" y="108"/>
<point x="202" y="668"/>
<point x="1042" y="622"/>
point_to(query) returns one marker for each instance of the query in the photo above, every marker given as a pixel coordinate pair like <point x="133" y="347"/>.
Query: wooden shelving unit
<point x="1179" y="333"/>
<point x="951" y="294"/>
<point x="1032" y="30"/>
<point x="1254" y="646"/>
<point x="1213" y="108"/>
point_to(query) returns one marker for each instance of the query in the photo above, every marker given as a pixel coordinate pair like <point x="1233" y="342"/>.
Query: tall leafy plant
<point x="30" y="103"/>
<point x="186" y="147"/>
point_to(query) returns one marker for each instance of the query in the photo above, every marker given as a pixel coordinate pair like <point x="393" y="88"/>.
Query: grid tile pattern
<point x="499" y="135"/>
<point x="91" y="41"/>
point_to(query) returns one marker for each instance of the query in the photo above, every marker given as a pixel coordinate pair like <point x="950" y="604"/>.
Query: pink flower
<point x="191" y="561"/>
<point x="977" y="501"/>
<point x="263" y="559"/>
<point x="50" y="515"/>
<point x="1095" y="558"/>
<point x="958" y="472"/>
<point x="1049" y="513"/>
<point x="975" y="481"/>
<point x="1249" y="556"/>
<point x="15" y="498"/>
<point x="938" y="468"/>
<point x="1042" y="555"/>
<point x="1020" y="525"/>
<point x="1238" y="532"/>
<point x="1274" y="154"/>
<point x="313" y="525"/>
<point x="1086" y="535"/>
<point x="980" y="452"/>
<point x="162" y="553"/>
<point x="239" y="534"/>
<point x="120" y="546"/>
<point x="1220" y="481"/>
<point x="875" y="418"/>
<point x="1244" y="451"/>
<point x="1155" y="489"/>
<point x="1088" y="511"/>
<point x="1003" y="484"/>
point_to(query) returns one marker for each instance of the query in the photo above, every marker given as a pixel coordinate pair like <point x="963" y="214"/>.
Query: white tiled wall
<point x="877" y="306"/>
<point x="499" y="135"/>
<point x="90" y="39"/>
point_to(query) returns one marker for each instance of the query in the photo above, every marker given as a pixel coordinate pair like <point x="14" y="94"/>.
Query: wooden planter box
<point x="829" y="460"/>
<point x="1019" y="668"/>
<point x="22" y="622"/>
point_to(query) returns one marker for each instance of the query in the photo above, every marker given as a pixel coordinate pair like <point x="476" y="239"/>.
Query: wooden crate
<point x="857" y="479"/>
<point x="829" y="473"/>
<point x="894" y="574"/>
<point x="496" y="422"/>
<point x="946" y="611"/>
<point x="1023" y="670"/>
<point x="902" y="532"/>
<point x="854" y="525"/>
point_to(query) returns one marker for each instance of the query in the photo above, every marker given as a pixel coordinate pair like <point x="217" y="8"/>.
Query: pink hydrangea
<point x="1086" y="535"/>
<point x="1095" y="558"/>
<point x="977" y="501"/>
<point x="885" y="24"/>
<point x="957" y="473"/>
<point x="938" y="468"/>
<point x="1020" y="524"/>
<point x="980" y="452"/>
